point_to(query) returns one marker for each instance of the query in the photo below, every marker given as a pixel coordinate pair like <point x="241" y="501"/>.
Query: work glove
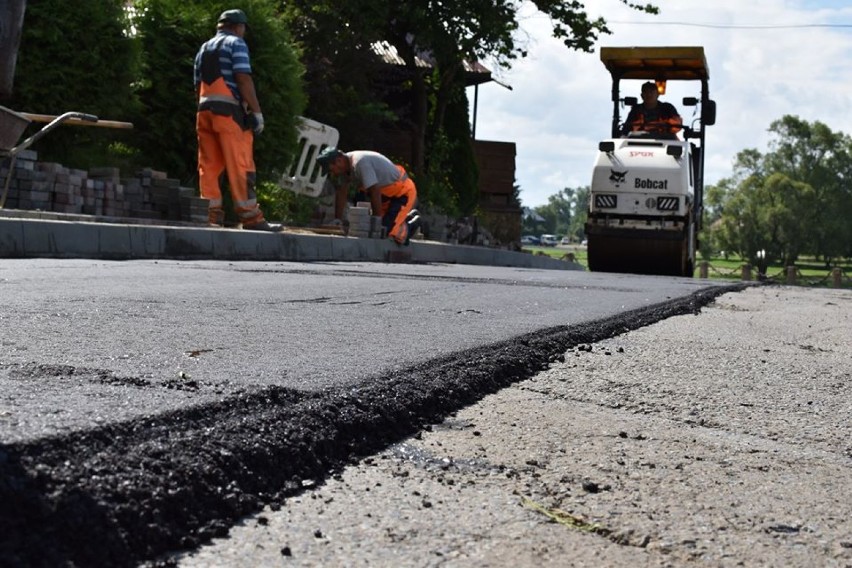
<point x="258" y="122"/>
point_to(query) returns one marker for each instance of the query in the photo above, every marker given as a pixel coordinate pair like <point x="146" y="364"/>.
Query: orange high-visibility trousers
<point x="397" y="202"/>
<point x="223" y="146"/>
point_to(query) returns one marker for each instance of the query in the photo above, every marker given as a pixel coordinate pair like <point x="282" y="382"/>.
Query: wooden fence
<point x="790" y="275"/>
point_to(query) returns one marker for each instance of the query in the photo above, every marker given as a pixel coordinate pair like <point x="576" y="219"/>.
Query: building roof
<point x="475" y="72"/>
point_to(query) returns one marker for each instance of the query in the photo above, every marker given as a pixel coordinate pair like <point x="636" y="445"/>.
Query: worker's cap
<point x="233" y="17"/>
<point x="327" y="156"/>
<point x="649" y="86"/>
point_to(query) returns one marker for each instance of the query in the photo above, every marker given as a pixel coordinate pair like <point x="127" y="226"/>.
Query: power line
<point x="737" y="26"/>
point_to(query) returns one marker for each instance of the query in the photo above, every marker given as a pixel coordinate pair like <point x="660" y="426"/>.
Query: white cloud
<point x="559" y="106"/>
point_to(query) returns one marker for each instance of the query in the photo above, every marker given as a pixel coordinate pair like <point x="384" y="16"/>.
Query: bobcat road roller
<point x="646" y="198"/>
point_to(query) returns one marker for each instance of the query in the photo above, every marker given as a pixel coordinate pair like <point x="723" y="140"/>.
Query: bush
<point x="77" y="56"/>
<point x="284" y="206"/>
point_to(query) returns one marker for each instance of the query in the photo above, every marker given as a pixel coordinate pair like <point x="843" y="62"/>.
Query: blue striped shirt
<point x="233" y="58"/>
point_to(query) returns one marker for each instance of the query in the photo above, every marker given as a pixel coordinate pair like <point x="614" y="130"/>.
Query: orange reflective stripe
<point x="245" y="204"/>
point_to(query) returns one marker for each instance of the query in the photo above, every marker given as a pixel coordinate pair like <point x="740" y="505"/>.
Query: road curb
<point x="54" y="238"/>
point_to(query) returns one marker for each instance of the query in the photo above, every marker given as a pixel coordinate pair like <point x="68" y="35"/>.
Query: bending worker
<point x="654" y="116"/>
<point x="388" y="188"/>
<point x="228" y="118"/>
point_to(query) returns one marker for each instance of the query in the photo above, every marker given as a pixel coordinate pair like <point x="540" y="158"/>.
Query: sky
<point x="767" y="59"/>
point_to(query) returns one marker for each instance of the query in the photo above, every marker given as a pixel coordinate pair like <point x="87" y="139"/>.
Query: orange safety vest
<point x="667" y="120"/>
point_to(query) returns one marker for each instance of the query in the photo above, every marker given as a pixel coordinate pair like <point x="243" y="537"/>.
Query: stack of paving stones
<point x="163" y="193"/>
<point x="46" y="186"/>
<point x="359" y="221"/>
<point x="104" y="194"/>
<point x="27" y="187"/>
<point x="192" y="208"/>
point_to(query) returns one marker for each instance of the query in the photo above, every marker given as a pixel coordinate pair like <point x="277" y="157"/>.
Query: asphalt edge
<point x="133" y="492"/>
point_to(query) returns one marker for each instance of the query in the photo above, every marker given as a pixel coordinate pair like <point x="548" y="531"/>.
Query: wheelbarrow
<point x="13" y="124"/>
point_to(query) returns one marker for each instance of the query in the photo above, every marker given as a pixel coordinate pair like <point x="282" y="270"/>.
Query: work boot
<point x="264" y="226"/>
<point x="413" y="221"/>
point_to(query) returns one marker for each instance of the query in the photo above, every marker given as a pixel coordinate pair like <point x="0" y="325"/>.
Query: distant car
<point x="548" y="240"/>
<point x="565" y="241"/>
<point x="530" y="240"/>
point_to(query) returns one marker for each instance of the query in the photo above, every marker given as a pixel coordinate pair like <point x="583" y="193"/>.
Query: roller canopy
<point x="656" y="63"/>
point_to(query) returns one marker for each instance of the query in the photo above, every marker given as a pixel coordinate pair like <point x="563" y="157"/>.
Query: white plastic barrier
<point x="305" y="176"/>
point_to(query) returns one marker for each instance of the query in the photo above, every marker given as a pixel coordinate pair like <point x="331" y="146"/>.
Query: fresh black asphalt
<point x="132" y="490"/>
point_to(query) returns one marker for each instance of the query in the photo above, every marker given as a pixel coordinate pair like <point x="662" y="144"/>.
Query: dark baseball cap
<point x="327" y="156"/>
<point x="233" y="17"/>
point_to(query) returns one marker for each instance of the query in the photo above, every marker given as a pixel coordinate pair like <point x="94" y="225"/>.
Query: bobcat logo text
<point x="617" y="178"/>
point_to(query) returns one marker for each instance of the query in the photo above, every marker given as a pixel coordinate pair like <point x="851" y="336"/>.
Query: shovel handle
<point x="83" y="119"/>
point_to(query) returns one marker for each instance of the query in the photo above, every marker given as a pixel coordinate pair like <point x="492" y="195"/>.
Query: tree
<point x="793" y="200"/>
<point x="564" y="214"/>
<point x="581" y="213"/>
<point x="446" y="34"/>
<point x="811" y="153"/>
<point x="764" y="214"/>
<point x="77" y="56"/>
<point x="558" y="211"/>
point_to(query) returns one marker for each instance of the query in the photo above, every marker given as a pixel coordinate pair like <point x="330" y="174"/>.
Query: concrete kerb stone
<point x="235" y="244"/>
<point x="310" y="247"/>
<point x="147" y="242"/>
<point x="11" y="238"/>
<point x="185" y="243"/>
<point x="60" y="239"/>
<point x="431" y="252"/>
<point x="35" y="237"/>
<point x="465" y="254"/>
<point x="113" y="241"/>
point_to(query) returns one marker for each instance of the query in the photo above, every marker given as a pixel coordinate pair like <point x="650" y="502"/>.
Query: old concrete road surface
<point x="718" y="440"/>
<point x="147" y="406"/>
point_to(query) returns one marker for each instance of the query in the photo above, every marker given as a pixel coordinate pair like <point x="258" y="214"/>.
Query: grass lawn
<point x="809" y="272"/>
<point x="578" y="251"/>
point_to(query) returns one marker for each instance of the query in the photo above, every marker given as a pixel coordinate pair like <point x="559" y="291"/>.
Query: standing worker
<point x="387" y="187"/>
<point x="228" y="119"/>
<point x="653" y="115"/>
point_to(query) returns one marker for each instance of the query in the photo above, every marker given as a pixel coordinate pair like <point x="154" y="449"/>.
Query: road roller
<point x="646" y="195"/>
